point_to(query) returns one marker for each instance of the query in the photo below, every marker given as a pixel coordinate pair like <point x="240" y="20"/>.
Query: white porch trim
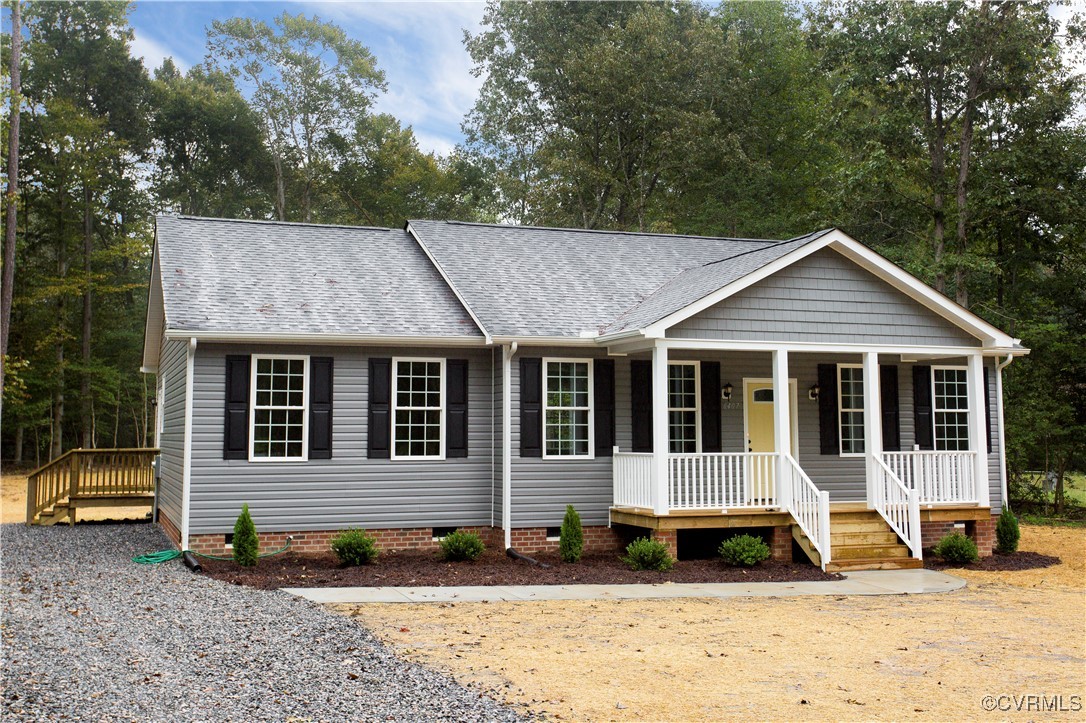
<point x="978" y="433"/>
<point x="660" y="481"/>
<point x="872" y="423"/>
<point x="782" y="426"/>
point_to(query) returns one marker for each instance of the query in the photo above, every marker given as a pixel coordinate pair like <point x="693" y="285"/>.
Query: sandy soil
<point x="13" y="504"/>
<point x="931" y="657"/>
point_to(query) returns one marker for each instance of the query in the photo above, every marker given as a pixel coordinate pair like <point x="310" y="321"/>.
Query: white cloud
<point x="434" y="144"/>
<point x="152" y="52"/>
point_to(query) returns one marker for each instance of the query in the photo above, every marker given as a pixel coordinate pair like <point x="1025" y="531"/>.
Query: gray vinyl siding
<point x="348" y="490"/>
<point x="541" y="488"/>
<point x="823" y="298"/>
<point x="172" y="370"/>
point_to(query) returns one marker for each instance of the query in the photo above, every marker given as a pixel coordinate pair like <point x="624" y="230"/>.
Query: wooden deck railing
<point x="90" y="473"/>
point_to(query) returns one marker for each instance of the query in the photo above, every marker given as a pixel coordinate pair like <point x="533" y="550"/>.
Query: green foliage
<point x="355" y="547"/>
<point x="246" y="543"/>
<point x="744" y="550"/>
<point x="571" y="540"/>
<point x="647" y="554"/>
<point x="1007" y="532"/>
<point x="957" y="549"/>
<point x="462" y="545"/>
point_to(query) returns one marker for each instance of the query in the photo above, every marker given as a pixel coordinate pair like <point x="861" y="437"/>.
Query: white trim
<point x="448" y="281"/>
<point x="968" y="411"/>
<point x="589" y="341"/>
<point x="697" y="403"/>
<point x="801" y="347"/>
<point x="872" y="393"/>
<point x="591" y="407"/>
<point x="186" y="450"/>
<point x="508" y="352"/>
<point x="254" y="358"/>
<point x="841" y="410"/>
<point x="1002" y="451"/>
<point x="277" y="337"/>
<point x="394" y="406"/>
<point x="794" y="410"/>
<point x="155" y="318"/>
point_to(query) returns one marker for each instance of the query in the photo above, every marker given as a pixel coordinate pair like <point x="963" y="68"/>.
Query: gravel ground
<point x="89" y="635"/>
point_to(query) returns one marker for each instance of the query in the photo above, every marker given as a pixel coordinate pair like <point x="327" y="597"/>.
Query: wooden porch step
<point x="903" y="563"/>
<point x="58" y="513"/>
<point x="862" y="537"/>
<point x="857" y="526"/>
<point x="868" y="552"/>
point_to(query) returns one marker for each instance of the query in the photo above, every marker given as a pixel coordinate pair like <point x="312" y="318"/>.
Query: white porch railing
<point x="937" y="477"/>
<point x="898" y="505"/>
<point x="717" y="481"/>
<point x="809" y="506"/>
<point x="632" y="477"/>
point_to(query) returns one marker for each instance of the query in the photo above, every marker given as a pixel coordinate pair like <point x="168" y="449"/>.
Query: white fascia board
<point x="546" y="340"/>
<point x="801" y="347"/>
<point x="155" y="318"/>
<point x="310" y="338"/>
<point x="149" y="370"/>
<point x="448" y="281"/>
<point x="657" y="330"/>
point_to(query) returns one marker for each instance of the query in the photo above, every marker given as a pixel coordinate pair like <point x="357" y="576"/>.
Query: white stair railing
<point x="898" y="505"/>
<point x="938" y="477"/>
<point x="809" y="506"/>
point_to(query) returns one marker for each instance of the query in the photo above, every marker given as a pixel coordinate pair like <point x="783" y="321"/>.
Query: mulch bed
<point x="1021" y="560"/>
<point x="414" y="568"/>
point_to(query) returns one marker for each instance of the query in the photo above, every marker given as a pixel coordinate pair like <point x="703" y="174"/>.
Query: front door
<point x="758" y="403"/>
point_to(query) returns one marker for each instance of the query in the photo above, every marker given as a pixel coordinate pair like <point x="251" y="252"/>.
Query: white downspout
<point x="186" y="458"/>
<point x="508" y="351"/>
<point x="1000" y="366"/>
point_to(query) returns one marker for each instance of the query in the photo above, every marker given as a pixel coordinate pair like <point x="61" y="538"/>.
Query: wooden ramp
<point x="82" y="478"/>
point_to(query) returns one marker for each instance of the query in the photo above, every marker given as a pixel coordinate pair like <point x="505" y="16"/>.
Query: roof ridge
<point x="270" y="222"/>
<point x="603" y="231"/>
<point x="813" y="236"/>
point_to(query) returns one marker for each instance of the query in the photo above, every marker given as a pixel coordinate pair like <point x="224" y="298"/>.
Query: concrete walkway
<point x="869" y="582"/>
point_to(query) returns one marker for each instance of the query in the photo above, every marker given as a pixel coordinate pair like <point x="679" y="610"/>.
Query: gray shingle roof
<point x="530" y="281"/>
<point x="266" y="277"/>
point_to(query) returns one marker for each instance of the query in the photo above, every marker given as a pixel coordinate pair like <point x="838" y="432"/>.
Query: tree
<point x="12" y="193"/>
<point x="308" y="81"/>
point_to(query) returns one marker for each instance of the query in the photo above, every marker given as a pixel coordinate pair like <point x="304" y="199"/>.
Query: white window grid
<point x="684" y="407"/>
<point x="279" y="402"/>
<point x="850" y="409"/>
<point x="418" y="412"/>
<point x="573" y="420"/>
<point x="950" y="407"/>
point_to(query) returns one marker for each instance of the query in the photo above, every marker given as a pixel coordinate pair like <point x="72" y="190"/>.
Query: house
<point x="460" y="375"/>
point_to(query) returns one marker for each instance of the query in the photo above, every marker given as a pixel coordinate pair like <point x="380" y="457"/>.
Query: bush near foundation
<point x="957" y="548"/>
<point x="1007" y="532"/>
<point x="571" y="540"/>
<point x="246" y="543"/>
<point x="462" y="545"/>
<point x="744" y="551"/>
<point x="646" y="554"/>
<point x="355" y="547"/>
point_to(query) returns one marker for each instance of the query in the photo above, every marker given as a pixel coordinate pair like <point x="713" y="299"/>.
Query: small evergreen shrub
<point x="462" y="545"/>
<point x="956" y="548"/>
<point x="744" y="551"/>
<point x="355" y="547"/>
<point x="246" y="542"/>
<point x="646" y="554"/>
<point x="571" y="541"/>
<point x="1007" y="532"/>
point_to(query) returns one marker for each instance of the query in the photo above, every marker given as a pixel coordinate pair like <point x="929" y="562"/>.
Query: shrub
<point x="646" y="554"/>
<point x="1007" y="532"/>
<point x="246" y="542"/>
<point x="355" y="547"/>
<point x="956" y="548"/>
<point x="571" y="541"/>
<point x="462" y="545"/>
<point x="744" y="550"/>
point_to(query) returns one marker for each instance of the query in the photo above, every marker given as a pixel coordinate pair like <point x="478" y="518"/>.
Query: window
<point x="850" y="403"/>
<point x="950" y="394"/>
<point x="418" y="402"/>
<point x="280" y="395"/>
<point x="682" y="407"/>
<point x="567" y="406"/>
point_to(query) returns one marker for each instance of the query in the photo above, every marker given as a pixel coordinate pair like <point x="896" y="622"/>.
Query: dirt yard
<point x="931" y="657"/>
<point x="13" y="504"/>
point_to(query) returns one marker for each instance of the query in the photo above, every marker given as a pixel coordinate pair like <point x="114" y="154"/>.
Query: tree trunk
<point x="8" y="280"/>
<point x="19" y="432"/>
<point x="86" y="412"/>
<point x="280" y="188"/>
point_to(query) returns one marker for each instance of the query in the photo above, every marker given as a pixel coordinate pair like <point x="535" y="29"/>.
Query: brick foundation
<point x="527" y="539"/>
<point x="780" y="544"/>
<point x="669" y="538"/>
<point x="169" y="528"/>
<point x="981" y="532"/>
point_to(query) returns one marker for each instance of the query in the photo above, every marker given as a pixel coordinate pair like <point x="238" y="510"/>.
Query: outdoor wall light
<point x="726" y="392"/>
<point x="812" y="393"/>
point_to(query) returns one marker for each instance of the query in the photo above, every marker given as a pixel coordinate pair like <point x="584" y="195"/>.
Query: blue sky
<point x="419" y="45"/>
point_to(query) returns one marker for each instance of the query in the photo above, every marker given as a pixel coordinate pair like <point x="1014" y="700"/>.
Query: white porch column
<point x="978" y="435"/>
<point x="872" y="422"/>
<point x="660" y="482"/>
<point x="782" y="426"/>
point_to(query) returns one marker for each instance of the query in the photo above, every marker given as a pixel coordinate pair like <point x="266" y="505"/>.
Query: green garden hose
<point x="153" y="558"/>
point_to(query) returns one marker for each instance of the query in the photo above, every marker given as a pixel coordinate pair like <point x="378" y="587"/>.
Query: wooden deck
<point x="89" y="478"/>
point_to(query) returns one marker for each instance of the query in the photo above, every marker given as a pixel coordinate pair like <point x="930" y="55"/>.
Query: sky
<point x="419" y="46"/>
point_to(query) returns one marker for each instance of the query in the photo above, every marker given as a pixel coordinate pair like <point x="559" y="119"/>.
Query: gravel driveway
<point x="89" y="635"/>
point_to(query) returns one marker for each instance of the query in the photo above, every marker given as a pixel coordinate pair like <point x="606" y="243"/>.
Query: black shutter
<point x="829" y="429"/>
<point x="320" y="407"/>
<point x="710" y="407"/>
<point x="603" y="391"/>
<point x="922" y="418"/>
<point x="456" y="409"/>
<point x="531" y="407"/>
<point x="641" y="407"/>
<point x="988" y="409"/>
<point x="379" y="432"/>
<point x="235" y="438"/>
<point x="888" y="401"/>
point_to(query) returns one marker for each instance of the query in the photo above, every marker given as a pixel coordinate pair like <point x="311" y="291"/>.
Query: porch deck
<point x="82" y="478"/>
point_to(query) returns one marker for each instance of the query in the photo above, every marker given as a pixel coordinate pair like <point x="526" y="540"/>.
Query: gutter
<point x="508" y="352"/>
<point x="1000" y="366"/>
